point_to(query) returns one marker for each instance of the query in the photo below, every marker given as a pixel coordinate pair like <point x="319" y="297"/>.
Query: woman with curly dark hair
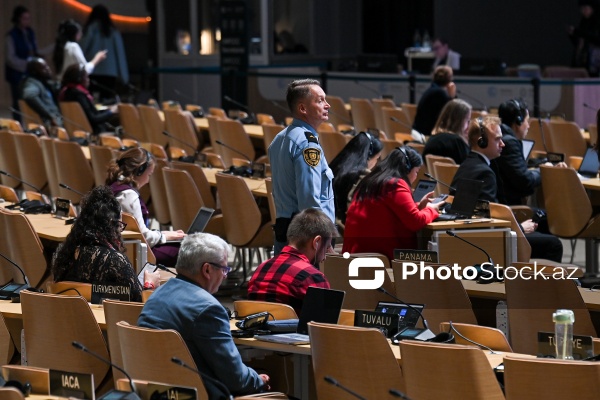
<point x="126" y="176"/>
<point x="92" y="252"/>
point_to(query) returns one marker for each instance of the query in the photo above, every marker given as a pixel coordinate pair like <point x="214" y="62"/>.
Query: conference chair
<point x="8" y="194"/>
<point x="11" y="393"/>
<point x="338" y="113"/>
<point x="539" y="131"/>
<point x="278" y="311"/>
<point x="269" y="133"/>
<point x="529" y="314"/>
<point x="197" y="174"/>
<point x="71" y="288"/>
<point x="332" y="144"/>
<point x="11" y="125"/>
<point x="73" y="170"/>
<point x="402" y="125"/>
<point x="443" y="172"/>
<point x="181" y="125"/>
<point x="153" y="123"/>
<point x="243" y="221"/>
<point x="213" y="135"/>
<point x="75" y="119"/>
<point x="431" y="158"/>
<point x="403" y="138"/>
<point x="22" y="245"/>
<point x="31" y="162"/>
<point x="483" y="335"/>
<point x="419" y="147"/>
<point x="132" y="225"/>
<point x="363" y="116"/>
<point x="37" y="377"/>
<point x="447" y="371"/>
<point x="263" y="119"/>
<point x="51" y="323"/>
<point x="389" y="145"/>
<point x="542" y="378"/>
<point x="566" y="138"/>
<point x="7" y="346"/>
<point x="444" y="299"/>
<point x="218" y="112"/>
<point x="380" y="120"/>
<point x="131" y="122"/>
<point x="232" y="134"/>
<point x="335" y="268"/>
<point x="158" y="193"/>
<point x="9" y="161"/>
<point x="61" y="134"/>
<point x="358" y="358"/>
<point x="47" y="146"/>
<point x="115" y="311"/>
<point x="346" y="317"/>
<point x="100" y="157"/>
<point x="271" y="200"/>
<point x="29" y="116"/>
<point x="326" y="127"/>
<point x="410" y="110"/>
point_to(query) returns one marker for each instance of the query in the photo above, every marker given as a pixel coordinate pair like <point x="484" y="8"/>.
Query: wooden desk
<point x="591" y="184"/>
<point x="254" y="131"/>
<point x="258" y="187"/>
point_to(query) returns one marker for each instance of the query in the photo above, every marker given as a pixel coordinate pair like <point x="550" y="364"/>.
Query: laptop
<point x="589" y="166"/>
<point x="407" y="316"/>
<point x="465" y="199"/>
<point x="320" y="305"/>
<point x="527" y="148"/>
<point x="423" y="187"/>
<point x="199" y="223"/>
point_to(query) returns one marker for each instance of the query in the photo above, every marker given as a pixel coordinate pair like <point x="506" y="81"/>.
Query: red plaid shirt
<point x="285" y="279"/>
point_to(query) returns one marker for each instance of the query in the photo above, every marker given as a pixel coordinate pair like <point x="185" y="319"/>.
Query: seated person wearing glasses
<point x="286" y="277"/>
<point x="186" y="304"/>
<point x="93" y="250"/>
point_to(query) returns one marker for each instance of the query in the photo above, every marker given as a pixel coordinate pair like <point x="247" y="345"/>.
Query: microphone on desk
<point x="251" y="119"/>
<point x="199" y="113"/>
<point x="377" y="92"/>
<point x="205" y="378"/>
<point x="106" y="88"/>
<point x="11" y="290"/>
<point x="165" y="268"/>
<point x="481" y="103"/>
<point x="425" y="324"/>
<point x="440" y="182"/>
<point x="188" y="159"/>
<point x="62" y="185"/>
<point x="22" y="181"/>
<point x="113" y="394"/>
<point x="346" y="389"/>
<point x="481" y="271"/>
<point x="397" y="393"/>
<point x="453" y="329"/>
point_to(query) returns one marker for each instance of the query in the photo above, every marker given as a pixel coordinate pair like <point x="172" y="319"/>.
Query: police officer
<point x="301" y="177"/>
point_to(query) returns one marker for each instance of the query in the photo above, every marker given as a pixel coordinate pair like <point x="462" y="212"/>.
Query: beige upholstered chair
<point x="232" y="133"/>
<point x="277" y="310"/>
<point x="153" y="123"/>
<point x="31" y="162"/>
<point x="566" y="138"/>
<point x="8" y="194"/>
<point x="484" y="335"/>
<point x="339" y="113"/>
<point x="200" y="180"/>
<point x="132" y="225"/>
<point x="380" y="118"/>
<point x="332" y="144"/>
<point x="132" y="123"/>
<point x="71" y="288"/>
<point x="75" y="118"/>
<point x="29" y="116"/>
<point x="73" y="170"/>
<point x="363" y="116"/>
<point x="9" y="161"/>
<point x="47" y="146"/>
<point x="100" y="157"/>
<point x="410" y="110"/>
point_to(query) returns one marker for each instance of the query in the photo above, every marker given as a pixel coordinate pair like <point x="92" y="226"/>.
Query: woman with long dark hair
<point x="93" y="250"/>
<point x="126" y="176"/>
<point x="383" y="215"/>
<point x="355" y="161"/>
<point x="67" y="50"/>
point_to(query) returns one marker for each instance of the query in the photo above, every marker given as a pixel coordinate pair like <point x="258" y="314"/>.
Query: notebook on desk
<point x="320" y="305"/>
<point x="465" y="199"/>
<point x="589" y="166"/>
<point x="199" y="223"/>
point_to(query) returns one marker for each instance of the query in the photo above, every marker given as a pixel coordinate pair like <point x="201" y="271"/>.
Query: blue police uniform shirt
<point x="301" y="177"/>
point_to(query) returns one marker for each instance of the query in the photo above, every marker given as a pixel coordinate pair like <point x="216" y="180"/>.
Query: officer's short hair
<point x="298" y="90"/>
<point x="308" y="224"/>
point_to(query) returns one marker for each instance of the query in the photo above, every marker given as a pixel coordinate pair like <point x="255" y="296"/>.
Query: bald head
<point x="38" y="68"/>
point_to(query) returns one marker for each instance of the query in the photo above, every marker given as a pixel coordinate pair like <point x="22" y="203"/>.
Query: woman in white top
<point x="130" y="172"/>
<point x="67" y="51"/>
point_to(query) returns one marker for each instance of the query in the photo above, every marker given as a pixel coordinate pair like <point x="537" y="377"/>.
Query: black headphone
<point x="482" y="142"/>
<point x="407" y="163"/>
<point x="520" y="117"/>
<point x="370" y="144"/>
<point x="144" y="166"/>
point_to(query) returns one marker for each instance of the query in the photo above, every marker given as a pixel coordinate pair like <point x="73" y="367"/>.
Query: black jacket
<point x="475" y="167"/>
<point x="429" y="108"/>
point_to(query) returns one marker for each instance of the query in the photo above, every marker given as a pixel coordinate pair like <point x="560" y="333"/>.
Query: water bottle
<point x="563" y="329"/>
<point x="417" y="39"/>
<point x="426" y="40"/>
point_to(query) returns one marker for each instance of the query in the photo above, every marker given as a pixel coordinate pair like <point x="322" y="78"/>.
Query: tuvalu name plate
<point x="387" y="323"/>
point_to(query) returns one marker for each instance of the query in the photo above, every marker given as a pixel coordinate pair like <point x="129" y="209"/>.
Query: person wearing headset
<point x="286" y="277"/>
<point x="383" y="215"/>
<point x="126" y="176"/>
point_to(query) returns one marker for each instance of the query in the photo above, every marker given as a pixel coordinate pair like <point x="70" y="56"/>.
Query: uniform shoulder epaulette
<point x="311" y="137"/>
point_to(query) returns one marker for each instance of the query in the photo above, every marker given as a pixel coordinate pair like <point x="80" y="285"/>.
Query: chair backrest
<point x="71" y="288"/>
<point x="213" y="133"/>
<point x="369" y="368"/>
<point x="180" y="124"/>
<point x="147" y="355"/>
<point x="542" y="378"/>
<point x="461" y="372"/>
<point x="567" y="203"/>
<point x="271" y="199"/>
<point x="431" y="158"/>
<point x="443" y="172"/>
<point x="47" y="146"/>
<point x="73" y="169"/>
<point x="232" y="133"/>
<point x="539" y="131"/>
<point x="23" y="247"/>
<point x="263" y="119"/>
<point x="380" y="118"/>
<point x="7" y="346"/>
<point x="9" y="161"/>
<point x="51" y="323"/>
<point x="8" y="194"/>
<point x="218" y="112"/>
<point x="444" y="299"/>
<point x="410" y="110"/>
<point x="11" y="393"/>
<point x="335" y="269"/>
<point x="11" y="124"/>
<point x="388" y="146"/>
<point x="332" y="143"/>
<point x="100" y="157"/>
<point x="200" y="180"/>
<point x="278" y="310"/>
<point x="29" y="116"/>
<point x="390" y="126"/>
<point x="566" y="138"/>
<point x="31" y="162"/>
<point x="116" y="311"/>
<point x="132" y="225"/>
<point x="484" y="335"/>
<point x="529" y="314"/>
<point x="501" y="211"/>
<point x="75" y="118"/>
<point x="153" y="124"/>
<point x="132" y="124"/>
<point x="158" y="192"/>
<point x="339" y="114"/>
<point x="183" y="209"/>
<point x="269" y="133"/>
<point x="363" y="116"/>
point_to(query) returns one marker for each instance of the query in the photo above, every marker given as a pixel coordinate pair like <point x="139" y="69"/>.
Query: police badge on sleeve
<point x="312" y="156"/>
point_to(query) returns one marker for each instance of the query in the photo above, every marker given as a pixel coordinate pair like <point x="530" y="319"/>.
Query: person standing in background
<point x="444" y="55"/>
<point x="100" y="33"/>
<point x="433" y="100"/>
<point x="586" y="38"/>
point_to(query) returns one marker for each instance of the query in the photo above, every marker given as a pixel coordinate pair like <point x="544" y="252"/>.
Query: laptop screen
<point x="407" y="316"/>
<point x="201" y="220"/>
<point x="589" y="165"/>
<point x="423" y="187"/>
<point x="465" y="198"/>
<point x="527" y="147"/>
<point x="320" y="305"/>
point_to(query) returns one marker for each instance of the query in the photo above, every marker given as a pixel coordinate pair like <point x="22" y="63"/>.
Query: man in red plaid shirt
<point x="286" y="277"/>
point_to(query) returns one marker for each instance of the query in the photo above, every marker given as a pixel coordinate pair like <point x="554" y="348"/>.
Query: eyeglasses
<point x="226" y="269"/>
<point x="122" y="225"/>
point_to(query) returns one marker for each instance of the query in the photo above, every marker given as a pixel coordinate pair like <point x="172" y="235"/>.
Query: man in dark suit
<point x="441" y="91"/>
